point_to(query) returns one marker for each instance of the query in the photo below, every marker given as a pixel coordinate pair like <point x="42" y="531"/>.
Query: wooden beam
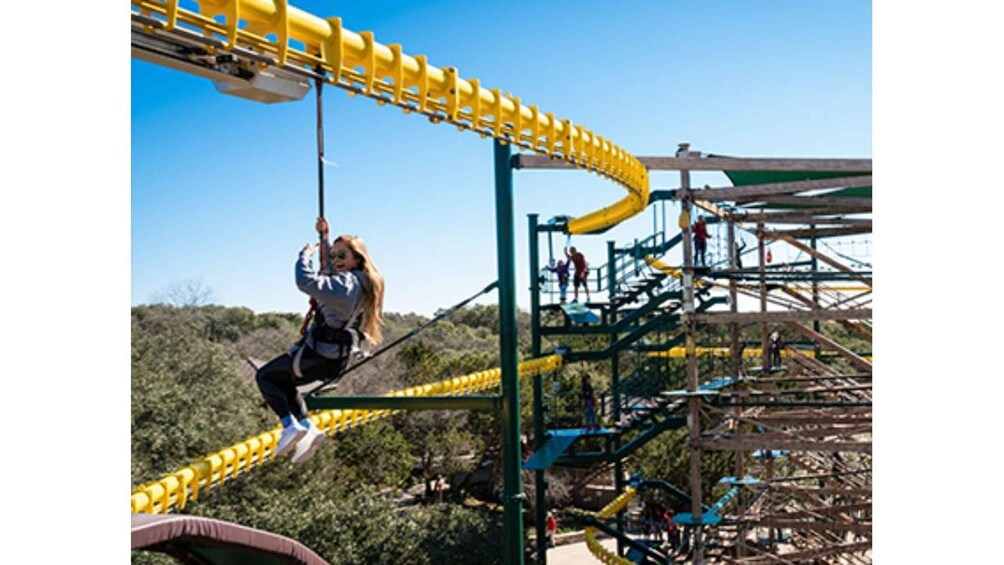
<point x="849" y="325"/>
<point x="754" y="164"/>
<point x="810" y="201"/>
<point x="818" y="511"/>
<point x="787" y="391"/>
<point x="864" y="529"/>
<point x="824" y="258"/>
<point x="756" y="191"/>
<point x="855" y="360"/>
<point x="807" y="219"/>
<point x="805" y="556"/>
<point x="807" y="213"/>
<point x="778" y="317"/>
<point x="752" y="443"/>
<point x="824" y="232"/>
<point x="782" y="418"/>
<point x="843" y="491"/>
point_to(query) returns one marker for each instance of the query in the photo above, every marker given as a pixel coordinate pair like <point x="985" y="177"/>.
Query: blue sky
<point x="224" y="189"/>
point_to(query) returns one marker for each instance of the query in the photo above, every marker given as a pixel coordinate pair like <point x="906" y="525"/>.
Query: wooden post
<point x="736" y="369"/>
<point x="761" y="252"/>
<point x="694" y="414"/>
<point x="733" y="299"/>
<point x="816" y="324"/>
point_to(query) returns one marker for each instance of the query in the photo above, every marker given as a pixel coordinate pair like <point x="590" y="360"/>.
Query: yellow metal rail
<point x="681" y="352"/>
<point x="176" y="489"/>
<point x="358" y="63"/>
<point x="600" y="552"/>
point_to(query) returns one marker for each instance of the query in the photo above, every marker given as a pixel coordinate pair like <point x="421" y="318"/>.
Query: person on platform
<point x="700" y="231"/>
<point x="561" y="271"/>
<point x="581" y="271"/>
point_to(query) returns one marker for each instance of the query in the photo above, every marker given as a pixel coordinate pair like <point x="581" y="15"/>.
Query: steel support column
<point x="540" y="484"/>
<point x="512" y="490"/>
<point x="615" y="408"/>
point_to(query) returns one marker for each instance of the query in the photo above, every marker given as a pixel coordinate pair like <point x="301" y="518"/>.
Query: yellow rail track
<point x="175" y="489"/>
<point x="358" y="63"/>
<point x="615" y="506"/>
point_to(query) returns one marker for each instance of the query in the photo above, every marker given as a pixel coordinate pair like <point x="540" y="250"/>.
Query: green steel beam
<point x="614" y="383"/>
<point x="540" y="485"/>
<point x="512" y="488"/>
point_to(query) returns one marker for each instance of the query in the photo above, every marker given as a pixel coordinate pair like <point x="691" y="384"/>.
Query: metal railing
<point x="175" y="489"/>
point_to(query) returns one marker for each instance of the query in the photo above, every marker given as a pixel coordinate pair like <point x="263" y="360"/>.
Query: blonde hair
<point x="372" y="292"/>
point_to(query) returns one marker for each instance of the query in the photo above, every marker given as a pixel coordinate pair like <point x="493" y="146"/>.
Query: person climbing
<point x="701" y="236"/>
<point x="739" y="253"/>
<point x="552" y="528"/>
<point x="774" y="347"/>
<point x="349" y="298"/>
<point x="589" y="400"/>
<point x="672" y="532"/>
<point x="581" y="271"/>
<point x="562" y="272"/>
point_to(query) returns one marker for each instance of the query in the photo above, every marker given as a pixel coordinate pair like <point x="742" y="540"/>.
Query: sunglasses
<point x="341" y="255"/>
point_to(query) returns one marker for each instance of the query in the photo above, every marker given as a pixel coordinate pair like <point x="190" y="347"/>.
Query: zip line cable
<point x="418" y="329"/>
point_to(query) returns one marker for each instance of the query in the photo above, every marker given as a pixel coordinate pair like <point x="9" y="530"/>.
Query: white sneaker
<point x="290" y="436"/>
<point x="306" y="448"/>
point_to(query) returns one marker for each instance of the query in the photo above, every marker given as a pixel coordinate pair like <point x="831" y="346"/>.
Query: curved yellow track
<point x="355" y="61"/>
<point x="175" y="489"/>
<point x="615" y="506"/>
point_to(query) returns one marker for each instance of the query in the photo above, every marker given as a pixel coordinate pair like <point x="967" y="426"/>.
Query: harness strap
<point x="296" y="361"/>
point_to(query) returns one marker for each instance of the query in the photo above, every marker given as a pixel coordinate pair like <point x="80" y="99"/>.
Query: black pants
<point x="700" y="246"/>
<point x="277" y="382"/>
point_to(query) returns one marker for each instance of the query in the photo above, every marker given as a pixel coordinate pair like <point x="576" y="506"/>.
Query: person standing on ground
<point x="440" y="485"/>
<point x="552" y="528"/>
<point x="581" y="271"/>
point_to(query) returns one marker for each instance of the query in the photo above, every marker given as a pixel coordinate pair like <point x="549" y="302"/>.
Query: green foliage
<point x="455" y="534"/>
<point x="188" y="398"/>
<point x="375" y="455"/>
<point x="193" y="393"/>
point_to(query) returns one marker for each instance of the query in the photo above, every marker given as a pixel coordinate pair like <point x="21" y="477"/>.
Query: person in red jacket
<point x="700" y="230"/>
<point x="581" y="271"/>
<point x="552" y="528"/>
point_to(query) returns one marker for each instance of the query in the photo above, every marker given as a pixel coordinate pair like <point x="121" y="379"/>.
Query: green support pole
<point x="614" y="380"/>
<point x="512" y="491"/>
<point x="540" y="484"/>
<point x="611" y="275"/>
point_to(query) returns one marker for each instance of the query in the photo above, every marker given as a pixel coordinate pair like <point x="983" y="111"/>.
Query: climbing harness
<point x="418" y="329"/>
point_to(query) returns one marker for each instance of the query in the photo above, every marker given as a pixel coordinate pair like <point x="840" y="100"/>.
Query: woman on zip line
<point x="349" y="301"/>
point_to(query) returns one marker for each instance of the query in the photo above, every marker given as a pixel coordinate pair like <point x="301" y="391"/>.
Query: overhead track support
<point x="272" y="36"/>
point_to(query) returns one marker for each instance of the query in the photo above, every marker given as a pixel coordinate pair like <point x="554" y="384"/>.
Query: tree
<point x="189" y="292"/>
